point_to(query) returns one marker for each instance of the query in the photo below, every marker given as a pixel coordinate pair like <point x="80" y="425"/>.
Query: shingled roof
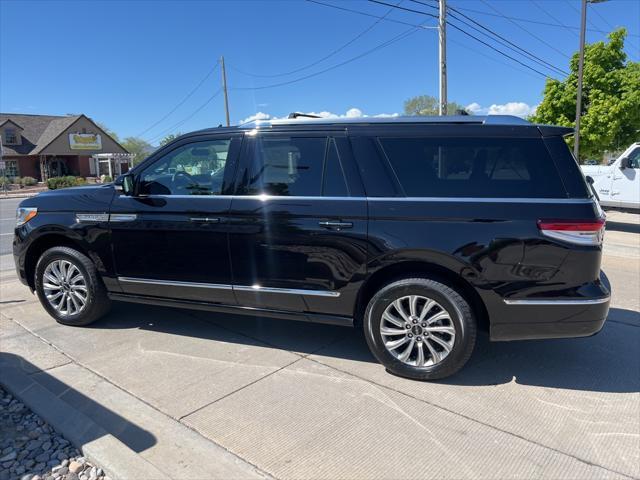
<point x="37" y="132"/>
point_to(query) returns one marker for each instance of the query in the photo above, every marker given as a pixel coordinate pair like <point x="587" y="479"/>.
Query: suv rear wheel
<point x="420" y="328"/>
<point x="69" y="287"/>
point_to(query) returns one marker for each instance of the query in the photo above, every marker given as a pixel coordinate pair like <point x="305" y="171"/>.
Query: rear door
<point x="625" y="187"/>
<point x="298" y="223"/>
<point x="170" y="238"/>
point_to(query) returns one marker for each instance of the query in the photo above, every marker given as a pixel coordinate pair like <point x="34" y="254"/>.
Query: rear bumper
<point x="529" y="319"/>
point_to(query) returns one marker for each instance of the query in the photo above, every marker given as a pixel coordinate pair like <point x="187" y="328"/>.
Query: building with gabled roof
<point x="44" y="146"/>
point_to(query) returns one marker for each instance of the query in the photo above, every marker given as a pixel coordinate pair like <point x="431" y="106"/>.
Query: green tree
<point x="428" y="105"/>
<point x="138" y="147"/>
<point x="610" y="100"/>
<point x="169" y="138"/>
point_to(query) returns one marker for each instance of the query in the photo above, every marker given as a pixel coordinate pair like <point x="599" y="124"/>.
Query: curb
<point x="99" y="446"/>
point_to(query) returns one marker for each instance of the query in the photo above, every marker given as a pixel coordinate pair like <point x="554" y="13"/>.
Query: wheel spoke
<point x="420" y="358"/>
<point x="435" y="356"/>
<point x="438" y="316"/>
<point x="404" y="356"/>
<point x="441" y="342"/>
<point x="392" y="345"/>
<point x="392" y="319"/>
<point x="51" y="286"/>
<point x="441" y="329"/>
<point x="392" y="331"/>
<point x="51" y="278"/>
<point x="54" y="296"/>
<point x="427" y="308"/>
<point x="400" y="309"/>
<point x="413" y="305"/>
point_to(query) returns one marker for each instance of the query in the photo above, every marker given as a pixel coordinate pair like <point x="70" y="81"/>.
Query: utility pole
<point x="224" y="88"/>
<point x="583" y="26"/>
<point x="442" y="36"/>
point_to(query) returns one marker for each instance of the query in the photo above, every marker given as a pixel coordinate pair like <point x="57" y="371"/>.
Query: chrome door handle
<point x="204" y="220"/>
<point x="335" y="224"/>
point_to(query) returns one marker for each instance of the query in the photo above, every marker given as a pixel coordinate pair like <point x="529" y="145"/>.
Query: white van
<point x="618" y="184"/>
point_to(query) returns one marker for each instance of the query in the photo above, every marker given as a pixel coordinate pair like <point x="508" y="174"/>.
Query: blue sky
<point x="128" y="64"/>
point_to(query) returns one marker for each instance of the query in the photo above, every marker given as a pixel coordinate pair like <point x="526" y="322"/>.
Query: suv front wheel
<point x="69" y="287"/>
<point x="420" y="328"/>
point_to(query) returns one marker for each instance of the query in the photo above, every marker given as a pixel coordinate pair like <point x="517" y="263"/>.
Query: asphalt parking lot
<point x="201" y="395"/>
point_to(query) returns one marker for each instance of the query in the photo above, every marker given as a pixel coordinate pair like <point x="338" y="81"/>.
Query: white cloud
<point x="351" y="113"/>
<point x="255" y="116"/>
<point x="519" y="109"/>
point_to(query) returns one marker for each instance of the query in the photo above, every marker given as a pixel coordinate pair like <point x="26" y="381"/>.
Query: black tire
<point x="460" y="317"/>
<point x="97" y="301"/>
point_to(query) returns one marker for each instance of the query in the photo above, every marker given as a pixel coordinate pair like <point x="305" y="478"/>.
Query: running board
<point x="235" y="309"/>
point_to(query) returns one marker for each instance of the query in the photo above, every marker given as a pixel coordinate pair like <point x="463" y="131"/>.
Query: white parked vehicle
<point x="618" y="184"/>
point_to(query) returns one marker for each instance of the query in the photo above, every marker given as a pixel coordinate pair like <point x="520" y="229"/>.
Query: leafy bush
<point x="28" y="181"/>
<point x="4" y="181"/>
<point x="55" y="183"/>
<point x="105" y="179"/>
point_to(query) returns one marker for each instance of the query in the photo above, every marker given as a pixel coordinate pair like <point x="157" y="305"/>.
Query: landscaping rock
<point x="31" y="450"/>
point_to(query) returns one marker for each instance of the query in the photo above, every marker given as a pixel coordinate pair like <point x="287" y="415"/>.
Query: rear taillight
<point x="581" y="232"/>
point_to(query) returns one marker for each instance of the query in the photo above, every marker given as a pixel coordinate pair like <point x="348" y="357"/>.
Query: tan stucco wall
<point x="60" y="146"/>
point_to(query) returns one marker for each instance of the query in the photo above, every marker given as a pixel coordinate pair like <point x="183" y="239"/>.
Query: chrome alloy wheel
<point x="65" y="287"/>
<point x="417" y="331"/>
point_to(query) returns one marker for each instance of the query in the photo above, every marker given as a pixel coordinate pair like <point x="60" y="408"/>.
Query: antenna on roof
<point x="294" y="115"/>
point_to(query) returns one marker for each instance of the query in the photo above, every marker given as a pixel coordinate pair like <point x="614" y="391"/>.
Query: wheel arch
<point x="44" y="243"/>
<point x="419" y="268"/>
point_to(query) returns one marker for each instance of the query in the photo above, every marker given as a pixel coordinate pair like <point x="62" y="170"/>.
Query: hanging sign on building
<point x="85" y="141"/>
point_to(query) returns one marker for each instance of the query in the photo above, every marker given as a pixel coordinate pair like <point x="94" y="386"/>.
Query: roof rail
<point x="293" y="115"/>
<point x="297" y="118"/>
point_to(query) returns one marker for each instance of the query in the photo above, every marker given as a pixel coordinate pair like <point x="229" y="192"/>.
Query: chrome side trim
<point x="481" y="200"/>
<point x="92" y="217"/>
<point x="175" y="283"/>
<point x="241" y="288"/>
<point x="123" y="217"/>
<point x="586" y="301"/>
<point x="293" y="291"/>
<point x="265" y="198"/>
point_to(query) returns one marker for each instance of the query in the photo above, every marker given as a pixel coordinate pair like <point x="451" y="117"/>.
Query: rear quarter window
<point x="473" y="167"/>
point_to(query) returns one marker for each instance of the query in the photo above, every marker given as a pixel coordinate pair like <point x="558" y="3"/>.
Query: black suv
<point x="417" y="230"/>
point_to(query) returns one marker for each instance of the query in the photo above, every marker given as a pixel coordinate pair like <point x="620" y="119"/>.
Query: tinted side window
<point x="570" y="172"/>
<point x="191" y="169"/>
<point x="334" y="184"/>
<point x="473" y="167"/>
<point x="291" y="166"/>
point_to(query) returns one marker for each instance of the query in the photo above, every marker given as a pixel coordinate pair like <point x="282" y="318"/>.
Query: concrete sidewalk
<point x="199" y="395"/>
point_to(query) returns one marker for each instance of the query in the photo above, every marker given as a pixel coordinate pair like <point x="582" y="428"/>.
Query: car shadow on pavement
<point x="623" y="227"/>
<point x="606" y="362"/>
<point x="78" y="417"/>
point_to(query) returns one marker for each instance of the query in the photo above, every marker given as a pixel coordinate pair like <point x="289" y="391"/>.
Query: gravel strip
<point x="32" y="450"/>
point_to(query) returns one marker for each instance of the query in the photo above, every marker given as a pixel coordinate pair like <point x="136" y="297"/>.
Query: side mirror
<point x="125" y="183"/>
<point x="590" y="179"/>
<point x="625" y="163"/>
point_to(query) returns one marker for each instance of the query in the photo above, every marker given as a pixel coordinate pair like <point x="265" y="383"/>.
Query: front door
<point x="170" y="238"/>
<point x="298" y="224"/>
<point x="625" y="185"/>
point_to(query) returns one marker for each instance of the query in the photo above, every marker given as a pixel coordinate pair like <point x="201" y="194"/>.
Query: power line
<point x="501" y="39"/>
<point x="550" y="15"/>
<point x="185" y="120"/>
<point x="329" y="55"/>
<point x="536" y="22"/>
<point x="392" y="20"/>
<point x="527" y="31"/>
<point x="472" y="36"/>
<point x="182" y="102"/>
<point x="352" y="59"/>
